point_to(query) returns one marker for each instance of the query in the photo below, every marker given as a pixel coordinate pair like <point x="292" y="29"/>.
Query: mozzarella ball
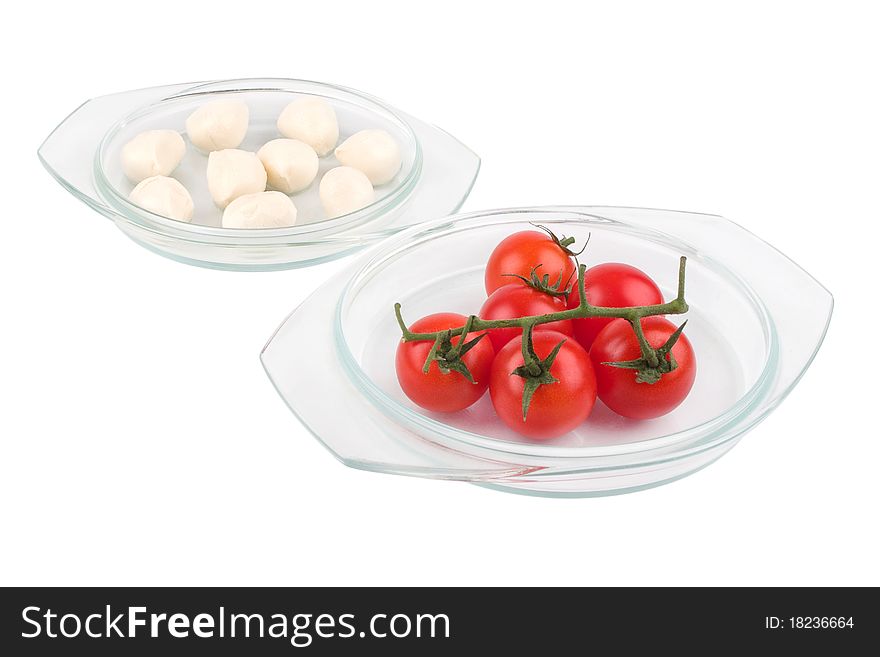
<point x="290" y="164"/>
<point x="233" y="173"/>
<point x="312" y="120"/>
<point x="164" y="196"/>
<point x="260" y="210"/>
<point x="344" y="190"/>
<point x="217" y="125"/>
<point x="374" y="152"/>
<point x="152" y="153"/>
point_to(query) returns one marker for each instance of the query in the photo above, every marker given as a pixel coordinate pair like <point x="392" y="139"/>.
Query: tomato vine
<point x="648" y="369"/>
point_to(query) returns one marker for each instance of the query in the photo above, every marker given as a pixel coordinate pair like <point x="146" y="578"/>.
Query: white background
<point x="141" y="441"/>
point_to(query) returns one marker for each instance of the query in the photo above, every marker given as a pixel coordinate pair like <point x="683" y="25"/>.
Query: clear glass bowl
<point x="756" y="321"/>
<point x="83" y="154"/>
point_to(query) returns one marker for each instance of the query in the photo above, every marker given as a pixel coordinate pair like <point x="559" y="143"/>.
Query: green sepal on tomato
<point x="555" y="408"/>
<point x="436" y="390"/>
<point x="619" y="388"/>
<point x="612" y="285"/>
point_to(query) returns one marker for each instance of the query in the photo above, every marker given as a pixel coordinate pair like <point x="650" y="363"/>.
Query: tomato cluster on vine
<point x="551" y="337"/>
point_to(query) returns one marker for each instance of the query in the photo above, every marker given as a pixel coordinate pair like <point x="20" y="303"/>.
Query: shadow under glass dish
<point x="756" y="322"/>
<point x="83" y="154"/>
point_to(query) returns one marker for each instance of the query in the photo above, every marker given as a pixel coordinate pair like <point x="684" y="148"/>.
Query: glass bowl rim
<point x="196" y="232"/>
<point x="691" y="437"/>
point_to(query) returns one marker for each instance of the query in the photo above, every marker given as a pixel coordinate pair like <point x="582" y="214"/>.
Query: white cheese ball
<point x="152" y="153"/>
<point x="164" y="196"/>
<point x="290" y="164"/>
<point x="374" y="151"/>
<point x="217" y="125"/>
<point x="312" y="120"/>
<point x="233" y="173"/>
<point x="260" y="210"/>
<point x="344" y="190"/>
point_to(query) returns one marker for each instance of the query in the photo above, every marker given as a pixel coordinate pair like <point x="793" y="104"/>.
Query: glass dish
<point x="83" y="154"/>
<point x="756" y="322"/>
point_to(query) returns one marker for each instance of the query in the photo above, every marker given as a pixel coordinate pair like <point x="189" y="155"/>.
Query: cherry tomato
<point x="520" y="253"/>
<point x="556" y="408"/>
<point x="436" y="391"/>
<point x="521" y="300"/>
<point x="618" y="388"/>
<point x="613" y="285"/>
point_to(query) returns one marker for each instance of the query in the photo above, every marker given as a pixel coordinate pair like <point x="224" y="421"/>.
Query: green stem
<point x="530" y="360"/>
<point x="648" y="352"/>
<point x="633" y="314"/>
<point x="682" y="262"/>
<point x="456" y="350"/>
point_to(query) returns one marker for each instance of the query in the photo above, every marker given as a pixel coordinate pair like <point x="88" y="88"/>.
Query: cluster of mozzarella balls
<point x="238" y="179"/>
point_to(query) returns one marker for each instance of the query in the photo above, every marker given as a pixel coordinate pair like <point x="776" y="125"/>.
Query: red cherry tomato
<point x="556" y="408"/>
<point x="520" y="253"/>
<point x="521" y="300"/>
<point x="436" y="391"/>
<point x="618" y="388"/>
<point x="613" y="285"/>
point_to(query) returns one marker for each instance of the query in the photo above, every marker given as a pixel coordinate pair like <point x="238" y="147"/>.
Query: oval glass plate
<point x="756" y="321"/>
<point x="83" y="154"/>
